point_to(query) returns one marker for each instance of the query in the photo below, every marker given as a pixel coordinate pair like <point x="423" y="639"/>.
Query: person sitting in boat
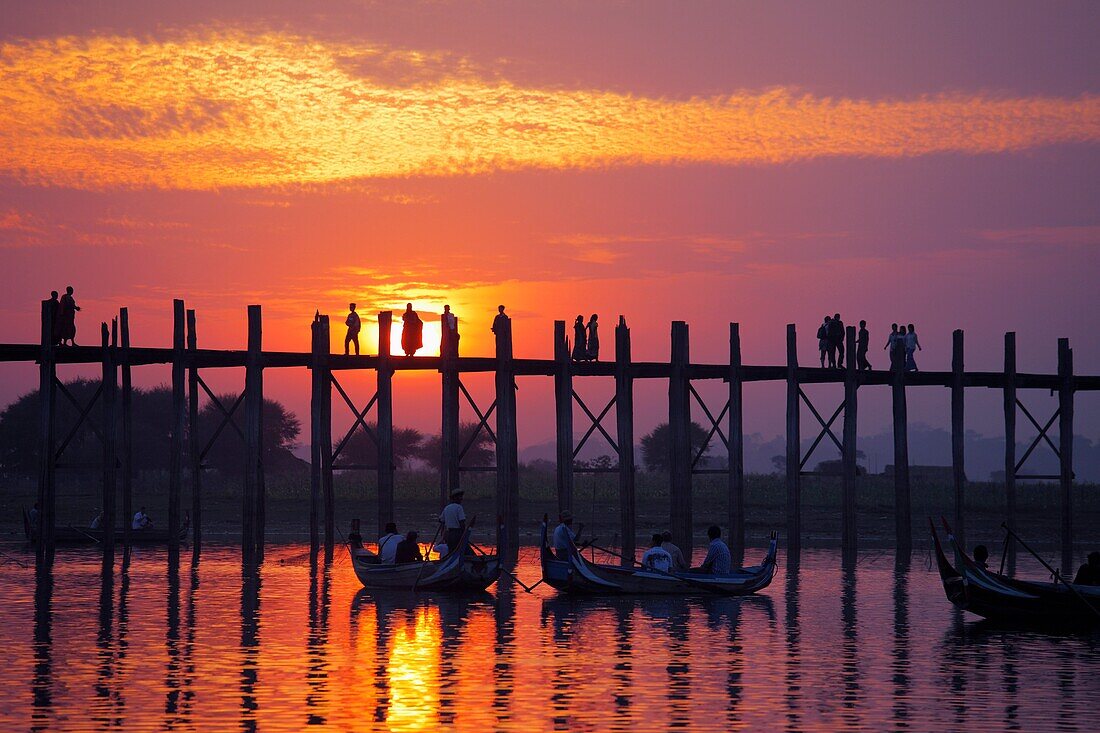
<point x="678" y="562"/>
<point x="981" y="557"/>
<point x="355" y="537"/>
<point x="96" y="520"/>
<point x="408" y="549"/>
<point x="1089" y="573"/>
<point x="718" y="559"/>
<point x="141" y="520"/>
<point x="441" y="549"/>
<point x="564" y="536"/>
<point x="454" y="519"/>
<point x="387" y="544"/>
<point x="657" y="557"/>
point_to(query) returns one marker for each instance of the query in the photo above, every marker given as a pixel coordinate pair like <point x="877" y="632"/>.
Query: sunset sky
<point x="933" y="162"/>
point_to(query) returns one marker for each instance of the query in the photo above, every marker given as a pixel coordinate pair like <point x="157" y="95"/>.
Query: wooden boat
<point x="78" y="535"/>
<point x="970" y="587"/>
<point x="459" y="571"/>
<point x="576" y="575"/>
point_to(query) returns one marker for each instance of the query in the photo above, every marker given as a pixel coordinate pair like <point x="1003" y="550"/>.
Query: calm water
<point x="871" y="647"/>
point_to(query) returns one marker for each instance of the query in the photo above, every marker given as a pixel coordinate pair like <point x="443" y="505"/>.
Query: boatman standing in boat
<point x="564" y="536"/>
<point x="454" y="520"/>
<point x="718" y="560"/>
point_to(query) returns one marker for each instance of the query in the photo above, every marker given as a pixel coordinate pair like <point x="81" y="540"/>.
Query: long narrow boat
<point x="75" y="535"/>
<point x="970" y="587"/>
<point x="459" y="571"/>
<point x="577" y="575"/>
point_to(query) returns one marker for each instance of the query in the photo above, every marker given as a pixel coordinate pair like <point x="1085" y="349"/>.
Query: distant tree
<point x="780" y="464"/>
<point x="540" y="465"/>
<point x="227" y="454"/>
<point x="656" y="446"/>
<point x="481" y="453"/>
<point x="361" y="449"/>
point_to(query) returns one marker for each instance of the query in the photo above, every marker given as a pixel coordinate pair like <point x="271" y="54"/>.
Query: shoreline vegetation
<point x="595" y="504"/>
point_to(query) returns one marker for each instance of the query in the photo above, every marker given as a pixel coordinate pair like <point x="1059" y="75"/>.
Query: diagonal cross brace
<point x="1041" y="436"/>
<point x="715" y="425"/>
<point x="596" y="425"/>
<point x="360" y="420"/>
<point x="227" y="417"/>
<point x="81" y="418"/>
<point x="826" y="428"/>
<point x="483" y="422"/>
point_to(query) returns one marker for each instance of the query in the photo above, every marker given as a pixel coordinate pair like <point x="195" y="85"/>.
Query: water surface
<point x="872" y="646"/>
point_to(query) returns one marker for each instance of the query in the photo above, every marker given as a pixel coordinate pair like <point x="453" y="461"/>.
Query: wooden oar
<point x="78" y="529"/>
<point x="505" y="570"/>
<point x="689" y="581"/>
<point x="1057" y="575"/>
<point x="438" y="527"/>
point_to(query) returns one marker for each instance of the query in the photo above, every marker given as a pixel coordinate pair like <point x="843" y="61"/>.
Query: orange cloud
<point x="236" y="110"/>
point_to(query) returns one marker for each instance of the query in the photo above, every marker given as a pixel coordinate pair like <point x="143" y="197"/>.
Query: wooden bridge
<point x="117" y="356"/>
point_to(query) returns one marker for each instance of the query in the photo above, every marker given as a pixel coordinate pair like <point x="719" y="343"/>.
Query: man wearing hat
<point x="564" y="536"/>
<point x="454" y="520"/>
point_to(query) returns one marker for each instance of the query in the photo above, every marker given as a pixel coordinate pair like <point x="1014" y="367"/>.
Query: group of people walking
<point x="586" y="339"/>
<point x="62" y="316"/>
<point x="412" y="328"/>
<point x="901" y="345"/>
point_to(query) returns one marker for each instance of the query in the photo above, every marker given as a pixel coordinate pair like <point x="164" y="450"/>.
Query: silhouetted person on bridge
<point x="52" y="308"/>
<point x="823" y="339"/>
<point x="580" y="340"/>
<point x="449" y="325"/>
<point x="412" y="331"/>
<point x="499" y="320"/>
<point x="354" y="325"/>
<point x="593" y="339"/>
<point x="66" y="318"/>
<point x="912" y="345"/>
<point x="863" y="340"/>
<point x="891" y="346"/>
<point x="836" y="340"/>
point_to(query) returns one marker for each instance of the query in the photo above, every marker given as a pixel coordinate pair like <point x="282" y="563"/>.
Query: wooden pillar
<point x="794" y="449"/>
<point x="385" y="423"/>
<point x="736" y="451"/>
<point x="47" y="402"/>
<point x="179" y="427"/>
<point x="958" y="435"/>
<point x="1065" y="450"/>
<point x="850" y="465"/>
<point x="110" y="431"/>
<point x="126" y="447"/>
<point x="251" y="534"/>
<point x="624" y="423"/>
<point x="1010" y="438"/>
<point x="449" y="431"/>
<point x="507" y="442"/>
<point x="902" y="520"/>
<point x="316" y="446"/>
<point x="679" y="424"/>
<point x="563" y="411"/>
<point x="194" y="446"/>
<point x="321" y="443"/>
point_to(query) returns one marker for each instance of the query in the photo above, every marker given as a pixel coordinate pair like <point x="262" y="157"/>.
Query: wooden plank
<point x="384" y="413"/>
<point x="902" y="503"/>
<point x="736" y="450"/>
<point x="507" y="444"/>
<point x="109" y="340"/>
<point x="1010" y="399"/>
<point x="624" y="431"/>
<point x="563" y="414"/>
<point x="848" y="454"/>
<point x="126" y="447"/>
<point x="958" y="434"/>
<point x="1065" y="451"/>
<point x="179" y="429"/>
<point x="679" y="421"/>
<point x="794" y="450"/>
<point x="251" y="533"/>
<point x="449" y="430"/>
<point x="194" y="447"/>
<point x="47" y="406"/>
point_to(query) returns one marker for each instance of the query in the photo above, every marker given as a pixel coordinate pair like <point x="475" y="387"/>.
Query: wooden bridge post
<point x="1010" y="435"/>
<point x="794" y="450"/>
<point x="563" y="412"/>
<point x="47" y="402"/>
<point x="194" y="447"/>
<point x="736" y="451"/>
<point x="321" y="438"/>
<point x="850" y="464"/>
<point x="958" y="434"/>
<point x="1065" y="449"/>
<point x="385" y="422"/>
<point x="316" y="447"/>
<point x="507" y="442"/>
<point x="624" y="423"/>
<point x="110" y="430"/>
<point x="679" y="422"/>
<point x="179" y="428"/>
<point x="903" y="526"/>
<point x="251" y="533"/>
<point x="127" y="443"/>
<point x="449" y="430"/>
